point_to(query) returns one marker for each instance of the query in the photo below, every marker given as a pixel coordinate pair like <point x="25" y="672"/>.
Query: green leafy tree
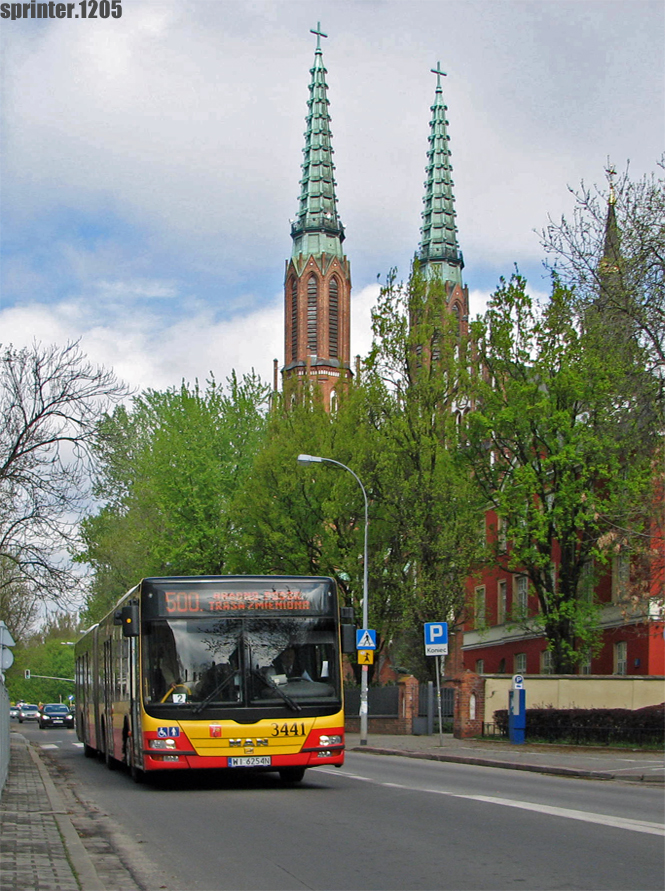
<point x="48" y="654"/>
<point x="427" y="504"/>
<point x="305" y="520"/>
<point x="561" y="441"/>
<point x="168" y="469"/>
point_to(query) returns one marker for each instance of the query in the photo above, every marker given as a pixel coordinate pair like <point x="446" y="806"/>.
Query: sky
<point x="151" y="163"/>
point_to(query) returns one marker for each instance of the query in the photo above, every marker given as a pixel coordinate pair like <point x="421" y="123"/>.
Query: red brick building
<point x="500" y="638"/>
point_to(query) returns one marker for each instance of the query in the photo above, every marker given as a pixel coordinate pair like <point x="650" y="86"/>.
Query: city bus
<point x="236" y="672"/>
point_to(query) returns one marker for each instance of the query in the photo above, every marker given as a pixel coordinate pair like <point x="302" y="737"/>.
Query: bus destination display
<point x="187" y="603"/>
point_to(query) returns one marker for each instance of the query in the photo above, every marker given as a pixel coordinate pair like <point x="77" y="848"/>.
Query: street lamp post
<point x="364" y="678"/>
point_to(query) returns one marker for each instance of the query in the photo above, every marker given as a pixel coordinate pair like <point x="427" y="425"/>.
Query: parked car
<point x="54" y="714"/>
<point x="27" y="713"/>
<point x="13" y="711"/>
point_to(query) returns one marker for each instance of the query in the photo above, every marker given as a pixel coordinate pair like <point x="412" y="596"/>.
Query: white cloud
<point x="146" y="352"/>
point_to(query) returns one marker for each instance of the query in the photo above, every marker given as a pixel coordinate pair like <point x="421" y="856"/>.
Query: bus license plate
<point x="251" y="761"/>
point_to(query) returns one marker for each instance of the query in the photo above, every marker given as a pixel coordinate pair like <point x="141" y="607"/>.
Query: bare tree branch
<point x="51" y="399"/>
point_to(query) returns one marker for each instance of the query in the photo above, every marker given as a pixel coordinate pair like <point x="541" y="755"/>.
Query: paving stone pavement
<point x="51" y="840"/>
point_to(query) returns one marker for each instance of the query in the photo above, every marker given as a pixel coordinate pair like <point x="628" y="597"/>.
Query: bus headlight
<point x="334" y="739"/>
<point x="161" y="744"/>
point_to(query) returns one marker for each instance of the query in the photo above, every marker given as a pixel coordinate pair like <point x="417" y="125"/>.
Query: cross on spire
<point x="319" y="34"/>
<point x="438" y="73"/>
<point x="611" y="172"/>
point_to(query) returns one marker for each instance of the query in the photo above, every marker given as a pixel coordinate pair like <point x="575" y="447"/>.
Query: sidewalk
<point x="41" y="849"/>
<point x="572" y="761"/>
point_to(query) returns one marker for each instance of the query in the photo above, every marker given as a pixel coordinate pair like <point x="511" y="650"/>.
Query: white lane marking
<point x="48" y="746"/>
<point x="77" y="745"/>
<point x="571" y="814"/>
<point x="643" y="826"/>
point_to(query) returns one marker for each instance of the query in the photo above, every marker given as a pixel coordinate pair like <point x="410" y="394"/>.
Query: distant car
<point x="54" y="714"/>
<point x="27" y="713"/>
<point x="13" y="711"/>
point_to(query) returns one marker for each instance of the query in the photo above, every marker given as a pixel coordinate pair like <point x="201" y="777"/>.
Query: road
<point x="381" y="823"/>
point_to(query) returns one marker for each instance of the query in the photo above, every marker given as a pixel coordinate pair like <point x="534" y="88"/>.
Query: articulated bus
<point x="216" y="672"/>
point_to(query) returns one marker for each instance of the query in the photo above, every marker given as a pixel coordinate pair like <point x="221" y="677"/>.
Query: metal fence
<point x="427" y="693"/>
<point x="4" y="735"/>
<point x="381" y="701"/>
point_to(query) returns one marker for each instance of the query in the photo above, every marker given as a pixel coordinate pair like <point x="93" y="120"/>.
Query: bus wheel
<point x="291" y="775"/>
<point x="111" y="763"/>
<point x="136" y="773"/>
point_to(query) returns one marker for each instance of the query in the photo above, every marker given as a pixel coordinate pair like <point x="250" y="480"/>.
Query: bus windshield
<point x="241" y="662"/>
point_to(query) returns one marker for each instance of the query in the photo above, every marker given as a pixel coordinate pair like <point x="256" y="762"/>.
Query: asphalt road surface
<point x="380" y="823"/>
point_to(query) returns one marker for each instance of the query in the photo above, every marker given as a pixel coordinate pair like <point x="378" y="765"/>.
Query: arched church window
<point x="333" y="402"/>
<point x="294" y="319"/>
<point x="333" y="317"/>
<point x="312" y="307"/>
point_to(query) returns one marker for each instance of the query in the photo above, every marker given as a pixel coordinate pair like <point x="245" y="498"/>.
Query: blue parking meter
<point x="517" y="711"/>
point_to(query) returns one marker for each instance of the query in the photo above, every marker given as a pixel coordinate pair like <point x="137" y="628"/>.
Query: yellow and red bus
<point x="216" y="672"/>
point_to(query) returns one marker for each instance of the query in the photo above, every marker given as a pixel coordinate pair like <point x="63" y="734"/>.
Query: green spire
<point x="317" y="228"/>
<point x="439" y="252"/>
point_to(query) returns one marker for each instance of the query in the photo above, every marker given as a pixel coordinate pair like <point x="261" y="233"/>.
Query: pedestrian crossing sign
<point x="365" y="639"/>
<point x="365" y="657"/>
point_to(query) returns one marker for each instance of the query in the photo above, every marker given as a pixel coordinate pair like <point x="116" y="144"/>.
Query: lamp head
<point x="309" y="459"/>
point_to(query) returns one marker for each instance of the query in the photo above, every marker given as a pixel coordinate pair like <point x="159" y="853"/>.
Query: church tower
<point x="439" y="254"/>
<point x="317" y="284"/>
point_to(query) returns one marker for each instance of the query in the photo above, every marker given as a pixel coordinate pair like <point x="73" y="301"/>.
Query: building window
<point x="621" y="575"/>
<point x="294" y="319"/>
<point x="546" y="662"/>
<point x="333" y="402"/>
<point x="520" y="663"/>
<point x="585" y="666"/>
<point x="621" y="657"/>
<point x="501" y="601"/>
<point x="586" y="582"/>
<point x="480" y="666"/>
<point x="501" y="532"/>
<point x="502" y="665"/>
<point x="479" y="606"/>
<point x="482" y="533"/>
<point x="312" y="307"/>
<point x="521" y="596"/>
<point x="333" y="317"/>
<point x="436" y="346"/>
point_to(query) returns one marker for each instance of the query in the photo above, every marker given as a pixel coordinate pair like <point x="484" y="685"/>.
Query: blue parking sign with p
<point x="436" y="638"/>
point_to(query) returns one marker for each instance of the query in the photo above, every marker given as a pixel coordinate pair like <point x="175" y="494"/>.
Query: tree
<point x="18" y="603"/>
<point x="578" y="248"/>
<point x="48" y="654"/>
<point x="50" y="400"/>
<point x="561" y="441"/>
<point x="167" y="470"/>
<point x="427" y="504"/>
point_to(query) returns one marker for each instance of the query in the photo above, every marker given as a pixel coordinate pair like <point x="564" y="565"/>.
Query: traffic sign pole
<point x="438" y="697"/>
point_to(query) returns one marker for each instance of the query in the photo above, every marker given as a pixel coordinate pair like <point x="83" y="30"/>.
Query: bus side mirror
<point x="129" y="617"/>
<point x="348" y="639"/>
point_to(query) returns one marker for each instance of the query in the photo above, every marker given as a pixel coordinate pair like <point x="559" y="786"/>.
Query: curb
<point x="509" y="765"/>
<point x="82" y="866"/>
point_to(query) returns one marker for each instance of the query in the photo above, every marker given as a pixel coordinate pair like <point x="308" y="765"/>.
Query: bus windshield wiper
<point x="209" y="698"/>
<point x="273" y="686"/>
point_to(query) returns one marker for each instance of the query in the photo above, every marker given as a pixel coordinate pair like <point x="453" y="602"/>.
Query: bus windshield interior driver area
<point x="216" y="672"/>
